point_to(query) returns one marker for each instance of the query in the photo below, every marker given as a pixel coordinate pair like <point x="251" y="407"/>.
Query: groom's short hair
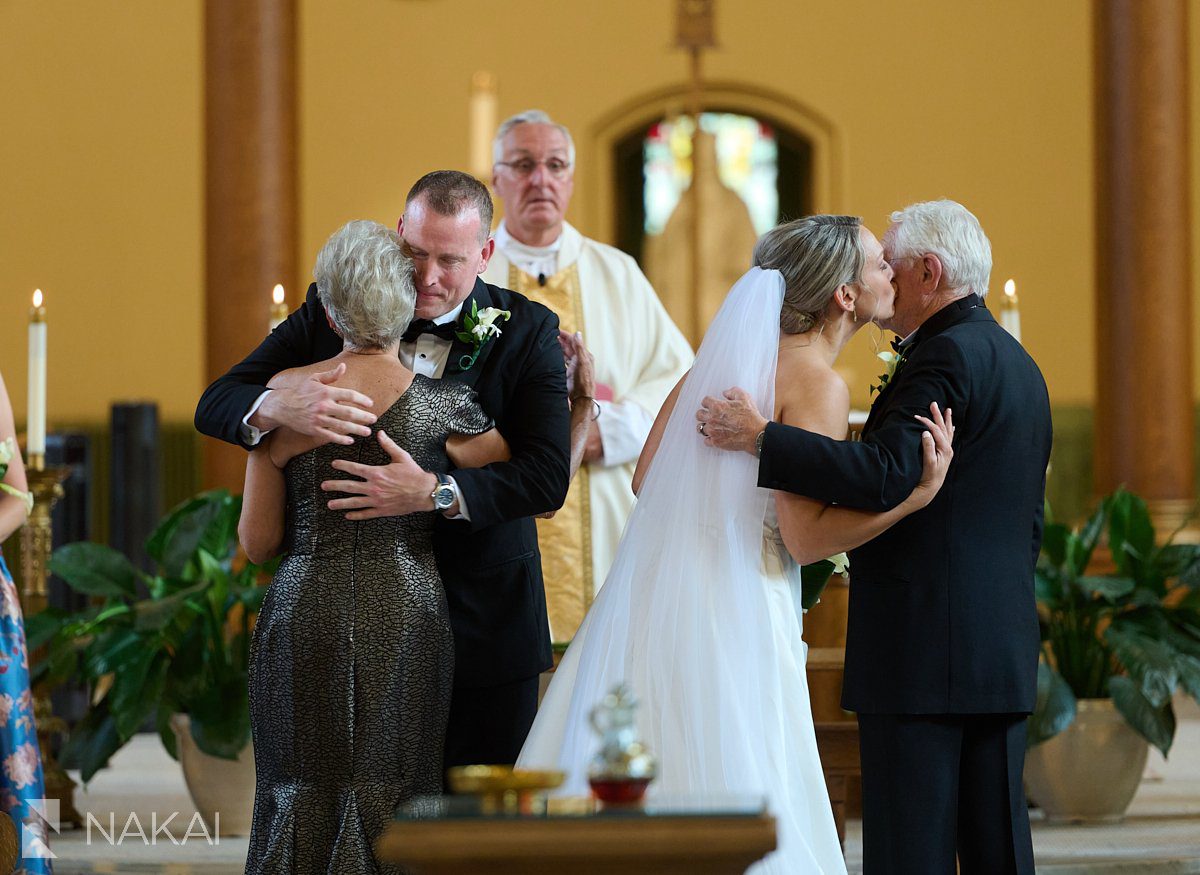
<point x="449" y="192"/>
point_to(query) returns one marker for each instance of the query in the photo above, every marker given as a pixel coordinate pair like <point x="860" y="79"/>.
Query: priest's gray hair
<point x="529" y="117"/>
<point x="816" y="255"/>
<point x="950" y="231"/>
<point x="365" y="282"/>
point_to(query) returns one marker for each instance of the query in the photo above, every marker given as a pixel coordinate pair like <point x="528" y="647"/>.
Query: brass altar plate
<point x="488" y="780"/>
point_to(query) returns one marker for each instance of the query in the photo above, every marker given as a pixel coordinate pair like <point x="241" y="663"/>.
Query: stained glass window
<point x="747" y="162"/>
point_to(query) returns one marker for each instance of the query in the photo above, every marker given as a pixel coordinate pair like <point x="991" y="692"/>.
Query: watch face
<point x="443" y="497"/>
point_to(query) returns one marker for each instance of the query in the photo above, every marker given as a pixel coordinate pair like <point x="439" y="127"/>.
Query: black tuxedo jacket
<point x="490" y="566"/>
<point x="942" y="614"/>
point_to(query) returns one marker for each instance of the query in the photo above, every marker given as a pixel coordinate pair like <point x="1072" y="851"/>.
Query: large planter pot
<point x="1089" y="772"/>
<point x="215" y="784"/>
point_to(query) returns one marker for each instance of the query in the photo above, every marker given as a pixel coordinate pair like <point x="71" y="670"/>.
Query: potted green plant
<point x="1116" y="647"/>
<point x="172" y="647"/>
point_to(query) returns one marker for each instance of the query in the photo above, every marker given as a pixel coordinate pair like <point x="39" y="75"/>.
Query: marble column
<point x="1144" y="413"/>
<point x="250" y="186"/>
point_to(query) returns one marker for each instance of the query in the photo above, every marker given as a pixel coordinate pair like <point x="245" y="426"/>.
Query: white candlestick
<point x="35" y="416"/>
<point x="1010" y="316"/>
<point x="482" y="111"/>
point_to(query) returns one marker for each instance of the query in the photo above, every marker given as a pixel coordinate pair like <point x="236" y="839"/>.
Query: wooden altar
<point x="599" y="843"/>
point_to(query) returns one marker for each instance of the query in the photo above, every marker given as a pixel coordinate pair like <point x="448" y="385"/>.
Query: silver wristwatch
<point x="758" y="442"/>
<point x="443" y="494"/>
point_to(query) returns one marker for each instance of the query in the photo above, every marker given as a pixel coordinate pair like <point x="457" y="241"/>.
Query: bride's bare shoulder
<point x="812" y="395"/>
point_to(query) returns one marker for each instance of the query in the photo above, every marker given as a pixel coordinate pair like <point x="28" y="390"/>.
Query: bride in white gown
<point x="700" y="614"/>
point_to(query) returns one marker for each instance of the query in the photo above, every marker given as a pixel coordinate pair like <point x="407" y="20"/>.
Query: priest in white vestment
<point x="640" y="354"/>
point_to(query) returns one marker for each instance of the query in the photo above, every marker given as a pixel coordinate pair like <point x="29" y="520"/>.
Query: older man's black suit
<point x="942" y="644"/>
<point x="490" y="566"/>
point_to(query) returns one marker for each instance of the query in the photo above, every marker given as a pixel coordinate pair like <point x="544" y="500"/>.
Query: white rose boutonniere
<point x="893" y="360"/>
<point x="479" y="326"/>
<point x="8" y="449"/>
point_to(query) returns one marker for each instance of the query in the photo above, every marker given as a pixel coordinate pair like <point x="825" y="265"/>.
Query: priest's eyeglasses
<point x="556" y="167"/>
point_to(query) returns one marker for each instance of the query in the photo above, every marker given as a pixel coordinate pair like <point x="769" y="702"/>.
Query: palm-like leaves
<point x="1133" y="636"/>
<point x="175" y="641"/>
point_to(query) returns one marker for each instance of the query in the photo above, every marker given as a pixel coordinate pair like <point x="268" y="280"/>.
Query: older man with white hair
<point x="942" y="643"/>
<point x="640" y="354"/>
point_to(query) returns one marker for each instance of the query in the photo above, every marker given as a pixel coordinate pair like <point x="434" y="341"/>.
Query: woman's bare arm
<point x="260" y="528"/>
<point x="582" y="417"/>
<point x="264" y="497"/>
<point x="475" y="451"/>
<point x="13" y="510"/>
<point x="581" y="392"/>
<point x="812" y="530"/>
<point x="655" y="436"/>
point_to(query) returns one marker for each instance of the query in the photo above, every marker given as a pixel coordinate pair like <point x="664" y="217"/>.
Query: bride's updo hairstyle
<point x="365" y="282"/>
<point x="816" y="255"/>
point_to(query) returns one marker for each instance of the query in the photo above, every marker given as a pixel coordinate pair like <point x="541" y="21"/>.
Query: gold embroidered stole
<point x="566" y="539"/>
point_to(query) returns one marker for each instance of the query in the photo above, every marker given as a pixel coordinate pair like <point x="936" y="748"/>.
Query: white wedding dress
<point x="700" y="616"/>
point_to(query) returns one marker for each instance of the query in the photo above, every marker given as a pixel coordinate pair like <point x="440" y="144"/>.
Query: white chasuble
<point x="640" y="355"/>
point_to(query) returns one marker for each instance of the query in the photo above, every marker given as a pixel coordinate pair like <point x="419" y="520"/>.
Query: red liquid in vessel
<point x="619" y="791"/>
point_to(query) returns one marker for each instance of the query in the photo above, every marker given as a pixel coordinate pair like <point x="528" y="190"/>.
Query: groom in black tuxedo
<point x="485" y="540"/>
<point x="942" y="642"/>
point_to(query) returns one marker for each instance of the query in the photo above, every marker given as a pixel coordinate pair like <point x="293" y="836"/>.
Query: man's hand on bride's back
<point x="312" y="405"/>
<point x="730" y="423"/>
<point x="937" y="451"/>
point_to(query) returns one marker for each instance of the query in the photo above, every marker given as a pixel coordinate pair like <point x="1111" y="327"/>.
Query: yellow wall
<point x="992" y="110"/>
<point x="101" y="186"/>
<point x="101" y="162"/>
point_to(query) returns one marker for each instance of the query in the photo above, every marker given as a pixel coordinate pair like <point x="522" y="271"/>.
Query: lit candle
<point x="279" y="310"/>
<point x="1010" y="316"/>
<point x="35" y="416"/>
<point x="482" y="111"/>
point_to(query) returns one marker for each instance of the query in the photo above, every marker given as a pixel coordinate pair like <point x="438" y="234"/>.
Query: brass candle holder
<point x="36" y="544"/>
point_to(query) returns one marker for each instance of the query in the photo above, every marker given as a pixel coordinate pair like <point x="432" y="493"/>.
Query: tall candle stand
<point x="36" y="544"/>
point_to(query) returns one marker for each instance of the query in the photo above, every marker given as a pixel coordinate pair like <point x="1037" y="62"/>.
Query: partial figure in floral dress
<point x="21" y="777"/>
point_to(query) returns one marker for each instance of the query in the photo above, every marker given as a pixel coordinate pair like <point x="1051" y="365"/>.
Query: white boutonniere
<point x="479" y="326"/>
<point x="893" y="360"/>
<point x="8" y="449"/>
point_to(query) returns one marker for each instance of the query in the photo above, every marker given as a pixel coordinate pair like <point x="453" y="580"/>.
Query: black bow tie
<point x="446" y="331"/>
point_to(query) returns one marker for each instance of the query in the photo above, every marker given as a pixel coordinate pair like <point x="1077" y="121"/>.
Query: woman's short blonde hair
<point x="365" y="282"/>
